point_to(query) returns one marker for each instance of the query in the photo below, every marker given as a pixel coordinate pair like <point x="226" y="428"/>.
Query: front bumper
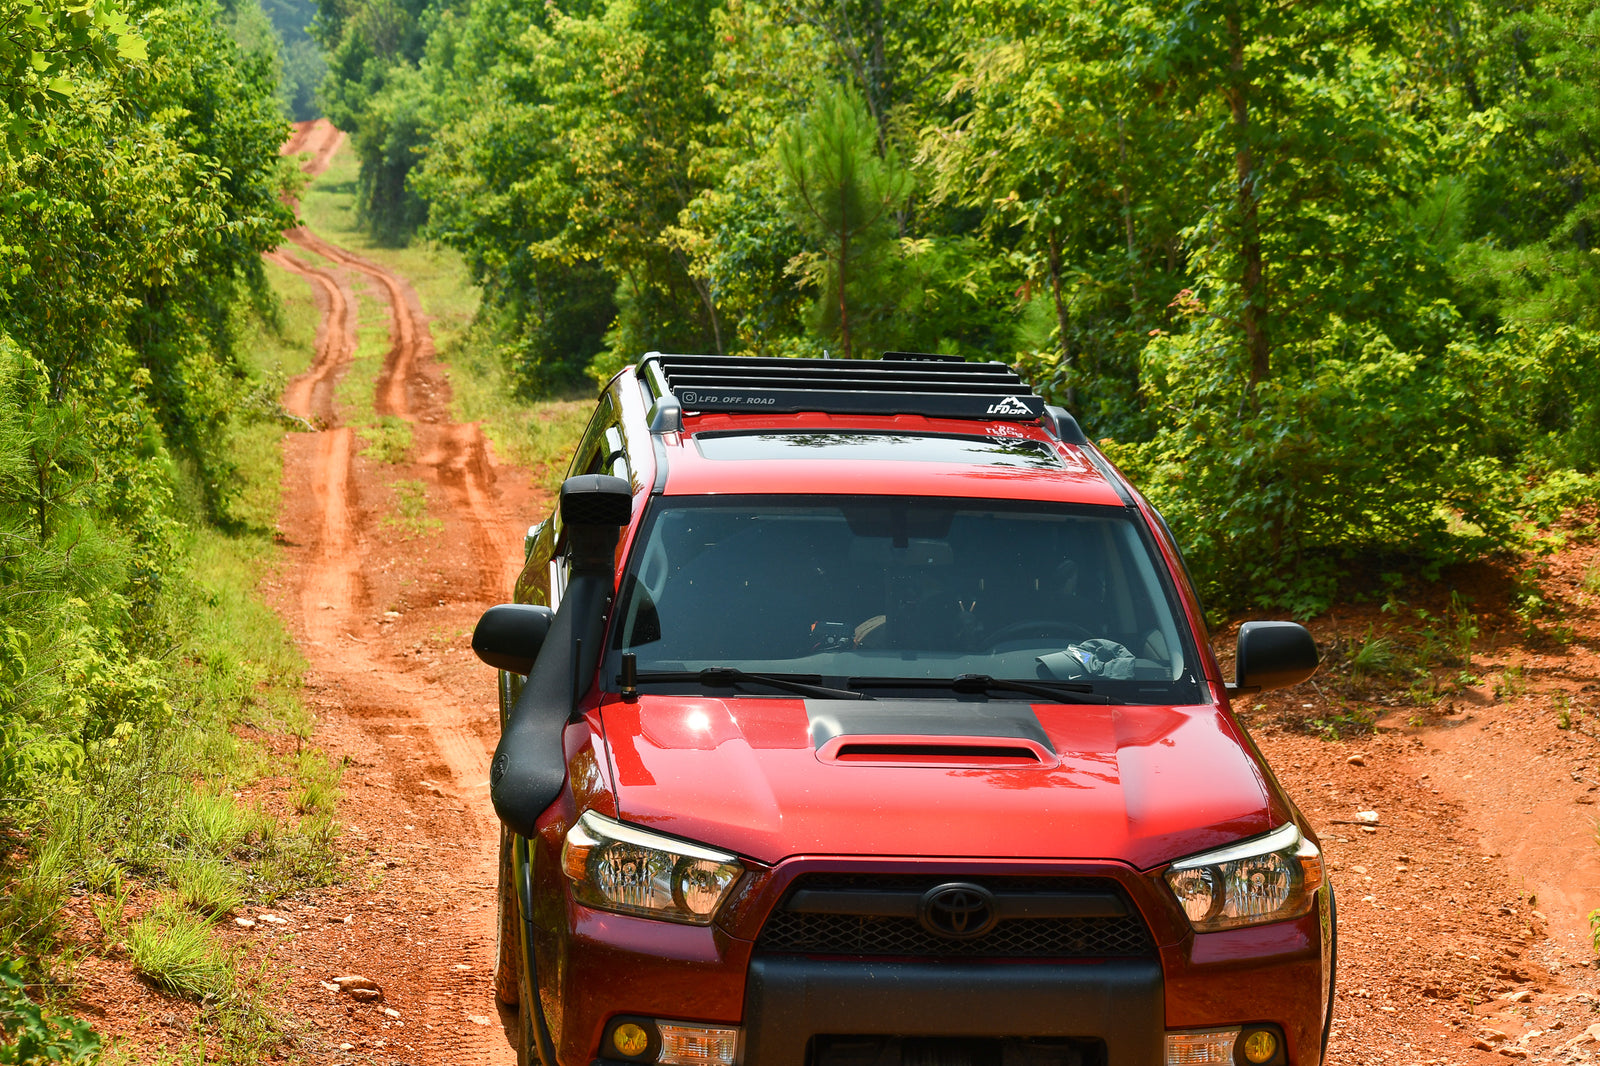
<point x="789" y="1000"/>
<point x="595" y="966"/>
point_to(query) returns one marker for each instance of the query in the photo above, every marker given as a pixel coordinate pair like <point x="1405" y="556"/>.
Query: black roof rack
<point x="900" y="383"/>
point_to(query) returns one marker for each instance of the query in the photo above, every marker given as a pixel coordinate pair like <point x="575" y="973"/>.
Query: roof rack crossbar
<point x="936" y="388"/>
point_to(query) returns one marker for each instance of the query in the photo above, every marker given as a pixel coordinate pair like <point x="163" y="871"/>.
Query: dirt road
<point x="1460" y="833"/>
<point x="382" y="610"/>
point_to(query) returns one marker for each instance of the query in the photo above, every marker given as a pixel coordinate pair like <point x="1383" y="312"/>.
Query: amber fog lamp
<point x="1260" y="1047"/>
<point x="631" y="1041"/>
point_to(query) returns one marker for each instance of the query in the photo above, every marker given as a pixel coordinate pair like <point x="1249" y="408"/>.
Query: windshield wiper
<point x="720" y="676"/>
<point x="1054" y="691"/>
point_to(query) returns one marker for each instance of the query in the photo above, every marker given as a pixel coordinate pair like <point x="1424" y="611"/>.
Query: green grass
<point x="387" y="439"/>
<point x="206" y="885"/>
<point x="411" y="518"/>
<point x="177" y="952"/>
<point x="277" y="351"/>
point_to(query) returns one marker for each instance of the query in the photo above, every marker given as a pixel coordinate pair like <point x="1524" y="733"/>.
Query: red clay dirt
<point x="384" y="611"/>
<point x="1460" y="830"/>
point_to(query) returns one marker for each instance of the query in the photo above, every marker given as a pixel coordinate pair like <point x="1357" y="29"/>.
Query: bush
<point x="29" y="1036"/>
<point x="1369" y="451"/>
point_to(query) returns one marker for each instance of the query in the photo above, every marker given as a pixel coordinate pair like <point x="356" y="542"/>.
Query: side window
<point x="592" y="448"/>
<point x="599" y="452"/>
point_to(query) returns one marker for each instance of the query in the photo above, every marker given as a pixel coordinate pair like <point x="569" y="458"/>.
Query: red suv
<point x="860" y="713"/>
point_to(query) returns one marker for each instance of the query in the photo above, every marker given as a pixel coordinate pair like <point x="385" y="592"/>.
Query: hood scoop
<point x="933" y="733"/>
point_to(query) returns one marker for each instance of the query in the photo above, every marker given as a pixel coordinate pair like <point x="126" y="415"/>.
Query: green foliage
<point x="1372" y="452"/>
<point x="178" y="952"/>
<point x="1323" y="274"/>
<point x="50" y="52"/>
<point x="31" y="1037"/>
<point x="844" y="197"/>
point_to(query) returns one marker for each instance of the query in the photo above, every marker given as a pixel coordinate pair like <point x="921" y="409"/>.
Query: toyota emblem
<point x="958" y="910"/>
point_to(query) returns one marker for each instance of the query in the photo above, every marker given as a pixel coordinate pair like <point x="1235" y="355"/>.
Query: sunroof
<point x="892" y="447"/>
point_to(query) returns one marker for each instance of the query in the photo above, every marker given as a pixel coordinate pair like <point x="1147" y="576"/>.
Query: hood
<point x="770" y="778"/>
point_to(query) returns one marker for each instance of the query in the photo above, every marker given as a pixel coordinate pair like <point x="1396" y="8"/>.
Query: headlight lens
<point x="1267" y="879"/>
<point x="618" y="867"/>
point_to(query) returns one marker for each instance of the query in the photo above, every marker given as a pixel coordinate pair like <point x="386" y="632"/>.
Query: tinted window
<point x="880" y="587"/>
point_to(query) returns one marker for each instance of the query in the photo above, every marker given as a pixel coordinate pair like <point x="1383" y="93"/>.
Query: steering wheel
<point x="1035" y="627"/>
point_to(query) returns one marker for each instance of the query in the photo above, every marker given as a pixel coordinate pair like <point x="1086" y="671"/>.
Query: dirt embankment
<point x="1461" y="831"/>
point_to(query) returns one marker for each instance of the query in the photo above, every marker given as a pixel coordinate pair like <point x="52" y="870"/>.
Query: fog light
<point x="697" y="1045"/>
<point x="630" y="1040"/>
<point x="1260" y="1046"/>
<point x="1201" y="1048"/>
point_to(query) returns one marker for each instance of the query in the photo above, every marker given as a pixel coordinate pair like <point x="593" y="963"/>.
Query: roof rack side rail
<point x="666" y="413"/>
<point x="1066" y="427"/>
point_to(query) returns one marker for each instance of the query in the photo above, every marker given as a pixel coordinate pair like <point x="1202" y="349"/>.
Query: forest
<point x="140" y="182"/>
<point x="1322" y="276"/>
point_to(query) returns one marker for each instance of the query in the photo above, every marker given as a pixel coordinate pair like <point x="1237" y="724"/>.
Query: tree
<point x="844" y="196"/>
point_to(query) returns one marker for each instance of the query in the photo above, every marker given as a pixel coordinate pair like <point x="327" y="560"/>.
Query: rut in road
<point x="416" y="737"/>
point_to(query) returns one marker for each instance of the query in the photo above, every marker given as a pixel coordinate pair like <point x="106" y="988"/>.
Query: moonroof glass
<point x="905" y="447"/>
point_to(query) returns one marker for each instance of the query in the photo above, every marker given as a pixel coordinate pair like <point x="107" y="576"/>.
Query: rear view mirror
<point x="508" y="637"/>
<point x="1273" y="655"/>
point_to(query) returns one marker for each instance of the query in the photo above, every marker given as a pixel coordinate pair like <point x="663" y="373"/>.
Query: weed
<point x="1510" y="684"/>
<point x="177" y="952"/>
<point x="207" y="885"/>
<point x="30" y="911"/>
<point x="245" y="1028"/>
<point x="1377" y="656"/>
<point x="411" y="504"/>
<point x="1594" y="930"/>
<point x="1590" y="582"/>
<point x="1351" y="721"/>
<point x="388" y="440"/>
<point x="1563" y="718"/>
<point x="110" y="910"/>
<point x="1462" y="625"/>
<point x="218" y="824"/>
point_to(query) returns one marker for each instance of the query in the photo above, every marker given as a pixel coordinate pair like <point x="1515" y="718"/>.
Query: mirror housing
<point x="1273" y="655"/>
<point x="508" y="637"/>
<point x="594" y="507"/>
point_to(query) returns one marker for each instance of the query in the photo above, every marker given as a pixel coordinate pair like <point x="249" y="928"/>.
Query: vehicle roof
<point x="1075" y="477"/>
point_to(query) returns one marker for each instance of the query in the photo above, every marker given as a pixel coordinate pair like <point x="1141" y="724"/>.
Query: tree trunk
<point x="844" y="259"/>
<point x="1067" y="359"/>
<point x="1252" y="291"/>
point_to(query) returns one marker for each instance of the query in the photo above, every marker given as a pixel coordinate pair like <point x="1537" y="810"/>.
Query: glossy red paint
<point x="691" y="474"/>
<point x="1126" y="790"/>
<point x="1141" y="785"/>
<point x="1268" y="973"/>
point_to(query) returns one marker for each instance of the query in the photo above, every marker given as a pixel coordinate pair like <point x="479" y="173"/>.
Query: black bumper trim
<point x="789" y="999"/>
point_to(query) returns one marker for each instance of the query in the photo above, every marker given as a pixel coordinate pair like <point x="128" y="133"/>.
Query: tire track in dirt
<point x="310" y="395"/>
<point x="379" y="608"/>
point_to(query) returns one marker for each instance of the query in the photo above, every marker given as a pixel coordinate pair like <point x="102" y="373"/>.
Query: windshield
<point x="851" y="591"/>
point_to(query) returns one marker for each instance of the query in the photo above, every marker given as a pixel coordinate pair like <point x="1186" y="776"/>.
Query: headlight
<point x="618" y="867"/>
<point x="1268" y="879"/>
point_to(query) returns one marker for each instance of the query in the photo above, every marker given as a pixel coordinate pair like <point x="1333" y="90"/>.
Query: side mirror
<point x="508" y="637"/>
<point x="1273" y="655"/>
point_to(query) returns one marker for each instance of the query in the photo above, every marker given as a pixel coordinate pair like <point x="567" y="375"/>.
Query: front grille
<point x="789" y="931"/>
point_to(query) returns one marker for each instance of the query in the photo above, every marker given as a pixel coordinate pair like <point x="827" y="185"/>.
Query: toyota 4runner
<point x="861" y="713"/>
